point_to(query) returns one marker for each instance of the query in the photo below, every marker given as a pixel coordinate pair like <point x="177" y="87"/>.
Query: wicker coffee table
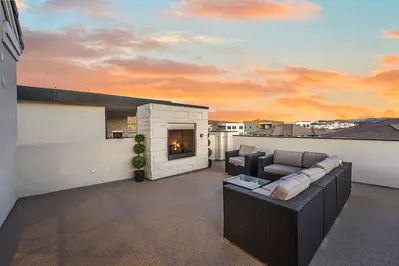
<point x="246" y="181"/>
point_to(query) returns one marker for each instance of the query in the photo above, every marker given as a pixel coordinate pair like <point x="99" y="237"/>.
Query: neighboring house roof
<point x="383" y="129"/>
<point x="288" y="130"/>
<point x="118" y="105"/>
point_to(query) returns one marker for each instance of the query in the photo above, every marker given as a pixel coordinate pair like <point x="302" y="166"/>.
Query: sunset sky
<point x="245" y="59"/>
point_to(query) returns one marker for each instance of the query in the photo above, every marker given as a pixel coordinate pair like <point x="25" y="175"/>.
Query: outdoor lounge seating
<point x="282" y="163"/>
<point x="243" y="161"/>
<point x="286" y="232"/>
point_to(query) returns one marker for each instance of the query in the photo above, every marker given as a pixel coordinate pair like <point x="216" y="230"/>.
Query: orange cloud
<point x="389" y="60"/>
<point x="316" y="105"/>
<point x="99" y="60"/>
<point x="391" y="34"/>
<point x="385" y="81"/>
<point x="245" y="115"/>
<point x="248" y="9"/>
<point x="144" y="66"/>
<point x="306" y="77"/>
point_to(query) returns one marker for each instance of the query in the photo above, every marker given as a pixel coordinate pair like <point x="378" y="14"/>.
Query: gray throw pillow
<point x="245" y="150"/>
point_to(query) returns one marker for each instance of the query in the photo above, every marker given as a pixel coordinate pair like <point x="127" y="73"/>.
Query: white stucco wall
<point x="374" y="162"/>
<point x="8" y="127"/>
<point x="57" y="123"/>
<point x="152" y="121"/>
<point x="52" y="167"/>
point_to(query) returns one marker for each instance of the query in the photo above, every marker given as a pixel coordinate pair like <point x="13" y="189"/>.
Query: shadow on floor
<point x="177" y="221"/>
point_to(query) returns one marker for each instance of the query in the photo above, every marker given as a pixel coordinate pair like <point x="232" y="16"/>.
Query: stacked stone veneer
<point x="152" y="121"/>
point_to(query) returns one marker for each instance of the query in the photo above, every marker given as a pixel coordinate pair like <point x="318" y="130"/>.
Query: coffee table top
<point x="246" y="181"/>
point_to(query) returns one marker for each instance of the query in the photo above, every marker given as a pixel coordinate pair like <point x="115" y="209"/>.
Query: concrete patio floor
<point x="177" y="221"/>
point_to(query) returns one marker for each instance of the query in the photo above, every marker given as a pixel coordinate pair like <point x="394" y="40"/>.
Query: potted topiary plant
<point x="139" y="161"/>
<point x="209" y="153"/>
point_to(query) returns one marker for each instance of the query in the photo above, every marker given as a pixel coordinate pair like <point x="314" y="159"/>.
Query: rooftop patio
<point x="177" y="221"/>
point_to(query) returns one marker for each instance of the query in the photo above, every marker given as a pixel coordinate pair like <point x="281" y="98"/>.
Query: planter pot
<point x="209" y="163"/>
<point x="139" y="175"/>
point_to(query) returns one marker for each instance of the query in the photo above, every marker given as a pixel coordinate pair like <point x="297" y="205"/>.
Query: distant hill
<point x="212" y="122"/>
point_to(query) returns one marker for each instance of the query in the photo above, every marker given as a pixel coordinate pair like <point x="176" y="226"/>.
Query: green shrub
<point x="139" y="138"/>
<point x="138" y="162"/>
<point x="139" y="148"/>
<point x="209" y="142"/>
<point x="209" y="152"/>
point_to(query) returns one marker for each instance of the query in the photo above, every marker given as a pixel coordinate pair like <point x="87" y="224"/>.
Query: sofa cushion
<point x="272" y="186"/>
<point x="239" y="160"/>
<point x="262" y="191"/>
<point x="245" y="150"/>
<point x="311" y="158"/>
<point x="280" y="169"/>
<point x="329" y="163"/>
<point x="288" y="176"/>
<point x="293" y="158"/>
<point x="291" y="187"/>
<point x="314" y="173"/>
<point x="268" y="189"/>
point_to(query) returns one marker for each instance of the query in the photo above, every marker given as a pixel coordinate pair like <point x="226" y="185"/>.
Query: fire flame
<point x="176" y="145"/>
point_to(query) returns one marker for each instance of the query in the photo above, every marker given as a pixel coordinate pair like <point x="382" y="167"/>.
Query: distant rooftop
<point x="289" y="130"/>
<point x="378" y="129"/>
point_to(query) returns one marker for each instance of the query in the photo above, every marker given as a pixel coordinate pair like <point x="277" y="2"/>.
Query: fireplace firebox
<point x="181" y="141"/>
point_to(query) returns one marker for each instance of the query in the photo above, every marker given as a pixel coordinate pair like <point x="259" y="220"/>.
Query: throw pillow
<point x="314" y="174"/>
<point x="291" y="187"/>
<point x="245" y="150"/>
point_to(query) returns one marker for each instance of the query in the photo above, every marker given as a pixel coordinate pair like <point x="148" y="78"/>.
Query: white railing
<point x="222" y="141"/>
<point x="374" y="162"/>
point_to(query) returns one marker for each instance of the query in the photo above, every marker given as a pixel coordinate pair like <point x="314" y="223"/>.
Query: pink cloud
<point x="93" y="8"/>
<point x="391" y="34"/>
<point x="84" y="43"/>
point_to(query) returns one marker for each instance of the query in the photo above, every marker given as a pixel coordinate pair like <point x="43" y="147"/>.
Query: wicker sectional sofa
<point x="281" y="163"/>
<point x="286" y="232"/>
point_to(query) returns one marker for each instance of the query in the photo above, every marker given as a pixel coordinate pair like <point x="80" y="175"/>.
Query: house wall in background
<point x="52" y="167"/>
<point x="117" y="124"/>
<point x="374" y="162"/>
<point x="8" y="127"/>
<point x="57" y="123"/>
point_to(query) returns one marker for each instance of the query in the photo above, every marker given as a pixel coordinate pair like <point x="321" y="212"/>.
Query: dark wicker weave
<point x="276" y="232"/>
<point x="251" y="164"/>
<point x="329" y="185"/>
<point x="282" y="233"/>
<point x="343" y="176"/>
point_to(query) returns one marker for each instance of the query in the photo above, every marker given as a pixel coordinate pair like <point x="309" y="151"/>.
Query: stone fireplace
<point x="176" y="138"/>
<point x="181" y="141"/>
